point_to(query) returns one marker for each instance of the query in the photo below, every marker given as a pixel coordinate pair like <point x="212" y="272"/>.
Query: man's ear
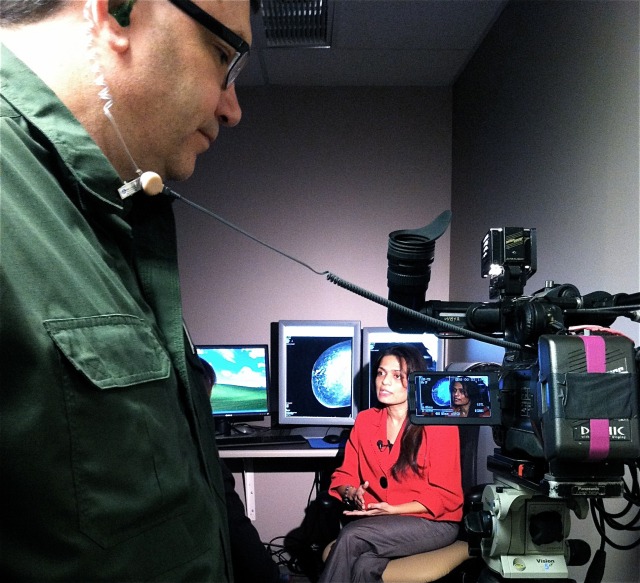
<point x="110" y="19"/>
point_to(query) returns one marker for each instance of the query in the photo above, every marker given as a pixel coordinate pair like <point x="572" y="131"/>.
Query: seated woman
<point x="401" y="481"/>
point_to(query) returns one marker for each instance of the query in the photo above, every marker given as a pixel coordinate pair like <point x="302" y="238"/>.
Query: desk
<point x="247" y="456"/>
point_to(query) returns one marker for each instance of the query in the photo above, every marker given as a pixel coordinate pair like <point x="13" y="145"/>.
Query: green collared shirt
<point x="108" y="465"/>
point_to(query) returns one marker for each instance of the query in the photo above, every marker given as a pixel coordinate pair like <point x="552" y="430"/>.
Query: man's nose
<point x="229" y="111"/>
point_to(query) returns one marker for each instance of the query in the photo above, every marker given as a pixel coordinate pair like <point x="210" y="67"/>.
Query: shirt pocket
<point x="125" y="429"/>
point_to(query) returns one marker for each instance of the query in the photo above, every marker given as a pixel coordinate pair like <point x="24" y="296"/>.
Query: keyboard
<point x="258" y="440"/>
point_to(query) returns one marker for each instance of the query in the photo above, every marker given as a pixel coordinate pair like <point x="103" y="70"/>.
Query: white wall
<point x="545" y="135"/>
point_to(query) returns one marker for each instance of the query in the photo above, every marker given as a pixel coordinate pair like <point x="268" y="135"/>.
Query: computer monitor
<point x="318" y="362"/>
<point x="376" y="340"/>
<point x="241" y="392"/>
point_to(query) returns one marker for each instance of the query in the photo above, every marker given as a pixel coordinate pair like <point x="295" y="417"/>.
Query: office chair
<point x="451" y="563"/>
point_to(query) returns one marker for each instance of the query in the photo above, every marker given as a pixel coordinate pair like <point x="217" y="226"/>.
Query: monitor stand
<point x="226" y="428"/>
<point x="317" y="430"/>
<point x="223" y="426"/>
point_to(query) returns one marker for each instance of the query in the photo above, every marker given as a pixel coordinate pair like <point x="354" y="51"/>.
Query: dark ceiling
<point x="377" y="43"/>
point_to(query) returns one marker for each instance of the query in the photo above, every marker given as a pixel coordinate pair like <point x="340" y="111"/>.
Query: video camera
<point x="563" y="406"/>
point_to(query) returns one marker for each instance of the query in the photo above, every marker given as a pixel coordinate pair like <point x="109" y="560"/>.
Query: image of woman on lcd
<point x="401" y="481"/>
<point x="466" y="400"/>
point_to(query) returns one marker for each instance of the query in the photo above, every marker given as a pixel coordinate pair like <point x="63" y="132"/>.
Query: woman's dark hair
<point x="411" y="360"/>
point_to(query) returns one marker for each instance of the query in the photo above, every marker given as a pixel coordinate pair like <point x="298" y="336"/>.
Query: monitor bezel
<point x="386" y="335"/>
<point x="242" y="416"/>
<point x="351" y="329"/>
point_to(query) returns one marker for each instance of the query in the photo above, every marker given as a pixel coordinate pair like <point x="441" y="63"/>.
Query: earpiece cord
<point x="434" y="322"/>
<point x="106" y="109"/>
<point x="101" y="82"/>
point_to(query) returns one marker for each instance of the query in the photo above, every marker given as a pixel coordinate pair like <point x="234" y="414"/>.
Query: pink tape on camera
<point x="595" y="353"/>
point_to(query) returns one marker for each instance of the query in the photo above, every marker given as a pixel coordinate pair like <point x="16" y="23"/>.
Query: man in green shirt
<point x="108" y="465"/>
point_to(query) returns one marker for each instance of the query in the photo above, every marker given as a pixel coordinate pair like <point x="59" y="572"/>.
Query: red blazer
<point x="439" y="488"/>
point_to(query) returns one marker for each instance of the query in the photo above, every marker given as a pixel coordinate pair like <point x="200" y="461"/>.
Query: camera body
<point x="563" y="398"/>
<point x="564" y="405"/>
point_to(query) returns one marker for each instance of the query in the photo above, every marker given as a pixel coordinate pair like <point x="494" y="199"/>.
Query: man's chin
<point x="181" y="171"/>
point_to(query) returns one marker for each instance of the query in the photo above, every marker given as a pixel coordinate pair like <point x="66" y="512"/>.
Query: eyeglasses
<point x="237" y="43"/>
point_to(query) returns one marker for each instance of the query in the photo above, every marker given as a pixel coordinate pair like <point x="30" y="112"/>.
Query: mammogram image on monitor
<point x="319" y="376"/>
<point x="331" y="376"/>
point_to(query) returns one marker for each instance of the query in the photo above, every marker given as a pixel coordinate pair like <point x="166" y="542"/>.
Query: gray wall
<point x="544" y="127"/>
<point x="545" y="135"/>
<point x="323" y="174"/>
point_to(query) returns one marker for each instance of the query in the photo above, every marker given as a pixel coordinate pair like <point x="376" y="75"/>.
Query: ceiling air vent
<point x="297" y="23"/>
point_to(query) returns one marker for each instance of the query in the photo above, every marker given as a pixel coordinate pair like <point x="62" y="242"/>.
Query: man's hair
<point x="28" y="11"/>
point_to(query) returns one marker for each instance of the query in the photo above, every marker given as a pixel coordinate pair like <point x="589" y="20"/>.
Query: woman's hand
<point x="354" y="497"/>
<point x="384" y="508"/>
<point x="374" y="509"/>
<point x="358" y="498"/>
